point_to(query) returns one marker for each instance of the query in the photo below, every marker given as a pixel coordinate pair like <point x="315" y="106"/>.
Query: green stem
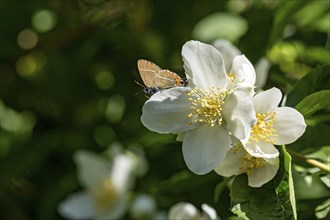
<point x="312" y="162"/>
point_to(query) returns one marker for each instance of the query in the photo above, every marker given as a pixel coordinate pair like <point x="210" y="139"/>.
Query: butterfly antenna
<point x="139" y="84"/>
<point x="135" y="94"/>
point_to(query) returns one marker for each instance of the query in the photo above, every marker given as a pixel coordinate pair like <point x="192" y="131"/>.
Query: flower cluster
<point x="224" y="124"/>
<point x="106" y="184"/>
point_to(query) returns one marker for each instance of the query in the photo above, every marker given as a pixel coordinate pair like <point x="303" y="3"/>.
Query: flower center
<point x="249" y="162"/>
<point x="263" y="130"/>
<point x="105" y="194"/>
<point x="206" y="106"/>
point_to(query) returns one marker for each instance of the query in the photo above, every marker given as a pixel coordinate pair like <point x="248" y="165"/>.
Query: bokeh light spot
<point x="31" y="64"/>
<point x="115" y="108"/>
<point x="44" y="20"/>
<point x="27" y="39"/>
<point x="105" y="80"/>
<point x="16" y="122"/>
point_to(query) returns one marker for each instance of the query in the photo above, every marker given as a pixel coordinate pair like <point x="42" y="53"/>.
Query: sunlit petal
<point x="260" y="176"/>
<point x="243" y="70"/>
<point x="228" y="52"/>
<point x="77" y="206"/>
<point x="239" y="114"/>
<point x="205" y="147"/>
<point x="231" y="164"/>
<point x="289" y="124"/>
<point x="167" y="111"/>
<point x="121" y="174"/>
<point x="261" y="149"/>
<point x="209" y="213"/>
<point x="183" y="210"/>
<point x="203" y="65"/>
<point x="267" y="101"/>
<point x="92" y="168"/>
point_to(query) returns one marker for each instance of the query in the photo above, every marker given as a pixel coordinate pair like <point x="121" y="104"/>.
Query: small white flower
<point x="208" y="110"/>
<point x="259" y="158"/>
<point x="258" y="169"/>
<point x="187" y="211"/>
<point x="275" y="125"/>
<point x="106" y="186"/>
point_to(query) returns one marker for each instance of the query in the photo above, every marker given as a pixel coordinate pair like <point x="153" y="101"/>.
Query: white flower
<point x="207" y="111"/>
<point x="229" y="52"/>
<point x="187" y="211"/>
<point x="105" y="187"/>
<point x="238" y="67"/>
<point x="258" y="169"/>
<point x="275" y="125"/>
<point x="259" y="158"/>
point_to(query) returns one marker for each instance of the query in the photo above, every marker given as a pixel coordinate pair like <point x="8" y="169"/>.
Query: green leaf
<point x="314" y="137"/>
<point x="318" y="79"/>
<point x="219" y="188"/>
<point x="322" y="154"/>
<point x="283" y="14"/>
<point x="274" y="200"/>
<point x="220" y="25"/>
<point x="323" y="210"/>
<point x="309" y="186"/>
<point x="314" y="102"/>
<point x="184" y="181"/>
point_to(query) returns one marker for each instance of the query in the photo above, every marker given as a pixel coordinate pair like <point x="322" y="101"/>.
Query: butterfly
<point x="156" y="79"/>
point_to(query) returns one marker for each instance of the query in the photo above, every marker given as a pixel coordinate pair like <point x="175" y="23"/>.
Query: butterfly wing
<point x="167" y="79"/>
<point x="153" y="76"/>
<point x="148" y="72"/>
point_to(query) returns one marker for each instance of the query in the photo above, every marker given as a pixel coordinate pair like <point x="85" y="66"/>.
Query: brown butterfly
<point x="156" y="79"/>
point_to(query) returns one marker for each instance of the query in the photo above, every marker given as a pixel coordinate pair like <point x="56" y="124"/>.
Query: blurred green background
<point x="67" y="83"/>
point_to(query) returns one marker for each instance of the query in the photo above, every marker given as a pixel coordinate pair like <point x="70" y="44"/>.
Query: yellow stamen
<point x="206" y="106"/>
<point x="263" y="130"/>
<point x="232" y="77"/>
<point x="105" y="194"/>
<point x="249" y="162"/>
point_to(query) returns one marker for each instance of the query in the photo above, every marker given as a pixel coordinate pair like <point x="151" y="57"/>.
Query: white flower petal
<point x="116" y="211"/>
<point x="262" y="68"/>
<point x="209" y="213"/>
<point x="77" y="206"/>
<point x="239" y="114"/>
<point x="183" y="210"/>
<point x="167" y="111"/>
<point x="228" y="52"/>
<point x="261" y="149"/>
<point x="231" y="164"/>
<point x="243" y="70"/>
<point x="289" y="124"/>
<point x="205" y="147"/>
<point x="92" y="168"/>
<point x="121" y="173"/>
<point x="267" y="101"/>
<point x="262" y="175"/>
<point x="203" y="65"/>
